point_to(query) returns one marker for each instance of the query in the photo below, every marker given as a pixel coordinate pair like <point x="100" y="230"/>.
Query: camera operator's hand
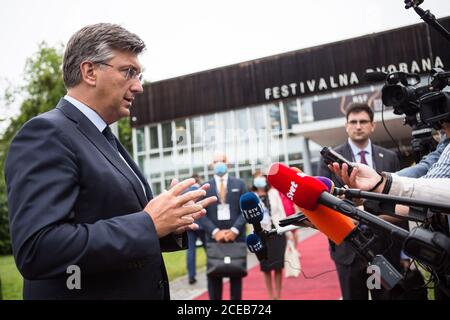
<point x="362" y="177"/>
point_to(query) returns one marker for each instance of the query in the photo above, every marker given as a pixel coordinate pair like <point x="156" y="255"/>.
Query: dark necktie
<point x="363" y="157"/>
<point x="110" y="137"/>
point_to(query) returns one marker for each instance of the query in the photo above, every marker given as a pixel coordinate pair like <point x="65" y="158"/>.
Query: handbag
<point x="226" y="259"/>
<point x="292" y="267"/>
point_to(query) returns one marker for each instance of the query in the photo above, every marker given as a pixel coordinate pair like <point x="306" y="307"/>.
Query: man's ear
<point x="88" y="73"/>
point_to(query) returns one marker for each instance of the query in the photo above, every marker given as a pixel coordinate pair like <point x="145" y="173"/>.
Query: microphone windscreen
<point x="302" y="189"/>
<point x="375" y="76"/>
<point x="327" y="182"/>
<point x="251" y="208"/>
<point x="254" y="243"/>
<point x="333" y="224"/>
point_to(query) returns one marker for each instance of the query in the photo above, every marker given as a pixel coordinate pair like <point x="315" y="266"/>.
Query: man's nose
<point x="137" y="86"/>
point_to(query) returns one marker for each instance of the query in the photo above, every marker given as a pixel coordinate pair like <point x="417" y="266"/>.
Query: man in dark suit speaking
<point x="76" y="199"/>
<point x="352" y="269"/>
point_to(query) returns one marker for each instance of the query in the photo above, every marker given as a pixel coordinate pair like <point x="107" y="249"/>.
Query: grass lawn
<point x="12" y="282"/>
<point x="11" y="279"/>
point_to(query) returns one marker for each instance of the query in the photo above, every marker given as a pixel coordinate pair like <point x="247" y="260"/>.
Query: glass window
<point x="294" y="156"/>
<point x="196" y="130"/>
<point x="167" y="134"/>
<point x="291" y="113"/>
<point x="180" y="133"/>
<point x="257" y="118"/>
<point x="246" y="175"/>
<point x="141" y="163"/>
<point x="241" y="119"/>
<point x="210" y="138"/>
<point x="184" y="172"/>
<point x="306" y="111"/>
<point x="156" y="188"/>
<point x="275" y="118"/>
<point x="140" y="137"/>
<point x="154" y="137"/>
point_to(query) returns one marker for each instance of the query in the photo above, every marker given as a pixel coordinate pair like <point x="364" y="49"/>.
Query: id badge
<point x="223" y="212"/>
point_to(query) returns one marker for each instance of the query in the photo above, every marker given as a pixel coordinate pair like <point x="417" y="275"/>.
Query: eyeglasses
<point x="129" y="73"/>
<point x="361" y="122"/>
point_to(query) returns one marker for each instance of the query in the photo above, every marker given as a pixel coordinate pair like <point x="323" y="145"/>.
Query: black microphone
<point x="252" y="210"/>
<point x="375" y="76"/>
<point x="255" y="245"/>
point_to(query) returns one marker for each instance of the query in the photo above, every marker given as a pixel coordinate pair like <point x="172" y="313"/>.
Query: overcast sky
<point x="185" y="36"/>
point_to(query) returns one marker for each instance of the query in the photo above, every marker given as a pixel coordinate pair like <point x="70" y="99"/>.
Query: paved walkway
<point x="180" y="289"/>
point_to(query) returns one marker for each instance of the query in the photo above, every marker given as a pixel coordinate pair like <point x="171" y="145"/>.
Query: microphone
<point x="328" y="183"/>
<point x="375" y="76"/>
<point x="305" y="192"/>
<point x="252" y="210"/>
<point x="308" y="193"/>
<point x="255" y="245"/>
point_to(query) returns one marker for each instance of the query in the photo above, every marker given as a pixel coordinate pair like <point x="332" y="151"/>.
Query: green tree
<point x="42" y="91"/>
<point x="43" y="88"/>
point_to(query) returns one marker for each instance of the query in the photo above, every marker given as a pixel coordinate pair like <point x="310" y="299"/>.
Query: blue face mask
<point x="260" y="182"/>
<point x="220" y="169"/>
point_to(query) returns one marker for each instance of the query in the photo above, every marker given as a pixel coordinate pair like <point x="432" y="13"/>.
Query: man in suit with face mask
<point x="223" y="221"/>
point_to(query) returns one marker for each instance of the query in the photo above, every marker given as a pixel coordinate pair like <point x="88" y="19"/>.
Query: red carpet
<point x="315" y="260"/>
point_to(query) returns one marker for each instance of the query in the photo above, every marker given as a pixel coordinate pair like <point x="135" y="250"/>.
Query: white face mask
<point x="260" y="182"/>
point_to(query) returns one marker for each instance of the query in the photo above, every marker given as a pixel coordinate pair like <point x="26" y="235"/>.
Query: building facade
<point x="280" y="108"/>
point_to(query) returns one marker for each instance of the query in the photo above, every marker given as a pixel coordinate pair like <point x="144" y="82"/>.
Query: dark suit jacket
<point x="383" y="160"/>
<point x="73" y="201"/>
<point x="235" y="188"/>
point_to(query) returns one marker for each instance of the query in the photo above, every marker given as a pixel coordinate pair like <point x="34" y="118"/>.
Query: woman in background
<point x="276" y="245"/>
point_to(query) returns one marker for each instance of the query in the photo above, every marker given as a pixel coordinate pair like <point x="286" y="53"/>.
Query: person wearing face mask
<point x="223" y="221"/>
<point x="276" y="245"/>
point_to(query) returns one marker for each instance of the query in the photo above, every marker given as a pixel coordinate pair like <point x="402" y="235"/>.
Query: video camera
<point x="425" y="104"/>
<point x="425" y="107"/>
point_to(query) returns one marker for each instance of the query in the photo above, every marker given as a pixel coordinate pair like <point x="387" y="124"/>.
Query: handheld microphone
<point x="253" y="213"/>
<point x="252" y="210"/>
<point x="305" y="192"/>
<point x="327" y="182"/>
<point x="255" y="245"/>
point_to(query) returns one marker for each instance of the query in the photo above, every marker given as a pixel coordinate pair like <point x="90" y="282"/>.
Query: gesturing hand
<point x="173" y="211"/>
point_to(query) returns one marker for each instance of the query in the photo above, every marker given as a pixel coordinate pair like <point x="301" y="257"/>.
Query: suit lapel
<point x="348" y="153"/>
<point x="377" y="157"/>
<point x="90" y="131"/>
<point x="136" y="169"/>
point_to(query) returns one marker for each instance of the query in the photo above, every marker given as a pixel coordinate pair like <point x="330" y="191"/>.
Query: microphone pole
<point x="428" y="17"/>
<point x="356" y="193"/>
<point x="347" y="208"/>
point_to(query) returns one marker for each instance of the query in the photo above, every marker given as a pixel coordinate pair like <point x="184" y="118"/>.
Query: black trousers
<point x="215" y="287"/>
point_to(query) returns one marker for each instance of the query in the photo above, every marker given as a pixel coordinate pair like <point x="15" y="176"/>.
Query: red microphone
<point x="305" y="191"/>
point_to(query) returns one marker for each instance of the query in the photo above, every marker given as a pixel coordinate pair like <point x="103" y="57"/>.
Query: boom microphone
<point x="305" y="192"/>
